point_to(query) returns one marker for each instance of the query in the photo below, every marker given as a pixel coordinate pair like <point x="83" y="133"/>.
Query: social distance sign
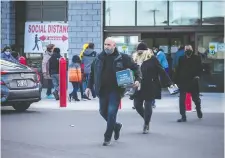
<point x="39" y="35"/>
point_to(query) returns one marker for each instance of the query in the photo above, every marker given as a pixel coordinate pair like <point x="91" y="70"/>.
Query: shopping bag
<point x="173" y="89"/>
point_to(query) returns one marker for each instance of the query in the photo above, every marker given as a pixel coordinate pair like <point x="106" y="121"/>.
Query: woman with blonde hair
<point x="150" y="89"/>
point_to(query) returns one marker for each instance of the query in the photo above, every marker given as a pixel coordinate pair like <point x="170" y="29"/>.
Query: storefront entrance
<point x="212" y="79"/>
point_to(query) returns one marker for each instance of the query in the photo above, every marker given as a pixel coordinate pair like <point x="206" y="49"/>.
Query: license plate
<point x="22" y="83"/>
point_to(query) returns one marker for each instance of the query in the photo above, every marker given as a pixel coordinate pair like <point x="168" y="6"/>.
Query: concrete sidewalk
<point x="211" y="102"/>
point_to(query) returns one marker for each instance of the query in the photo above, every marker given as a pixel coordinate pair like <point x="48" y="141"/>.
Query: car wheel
<point x="20" y="107"/>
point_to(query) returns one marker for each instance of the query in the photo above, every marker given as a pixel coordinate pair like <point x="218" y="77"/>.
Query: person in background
<point x="45" y="69"/>
<point x="54" y="71"/>
<point x="160" y="55"/>
<point x="83" y="96"/>
<point x="88" y="57"/>
<point x="6" y="55"/>
<point x="103" y="77"/>
<point x="188" y="72"/>
<point x="85" y="46"/>
<point x="178" y="54"/>
<point x="75" y="77"/>
<point x="150" y="90"/>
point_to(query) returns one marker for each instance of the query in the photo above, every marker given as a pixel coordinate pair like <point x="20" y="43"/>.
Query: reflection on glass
<point x="126" y="44"/>
<point x="204" y="47"/>
<point x="119" y="13"/>
<point x="152" y="13"/>
<point x="213" y="13"/>
<point x="184" y="13"/>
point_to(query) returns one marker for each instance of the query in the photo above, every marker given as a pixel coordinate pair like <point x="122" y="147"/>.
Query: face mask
<point x="7" y="53"/>
<point x="155" y="51"/>
<point x="188" y="53"/>
<point x="108" y="51"/>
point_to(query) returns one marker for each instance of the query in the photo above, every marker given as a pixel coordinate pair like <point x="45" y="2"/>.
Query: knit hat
<point x="142" y="46"/>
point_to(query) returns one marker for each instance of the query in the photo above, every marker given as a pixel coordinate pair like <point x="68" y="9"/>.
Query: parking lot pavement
<point x="47" y="133"/>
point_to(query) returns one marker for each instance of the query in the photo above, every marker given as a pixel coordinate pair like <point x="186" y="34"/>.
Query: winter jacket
<point x="151" y="69"/>
<point x="9" y="58"/>
<point x="187" y="70"/>
<point x="88" y="57"/>
<point x="121" y="62"/>
<point x="162" y="59"/>
<point x="179" y="54"/>
<point x="54" y="63"/>
<point x="45" y="64"/>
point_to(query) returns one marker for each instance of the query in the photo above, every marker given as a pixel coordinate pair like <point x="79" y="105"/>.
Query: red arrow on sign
<point x="42" y="38"/>
<point x="64" y="38"/>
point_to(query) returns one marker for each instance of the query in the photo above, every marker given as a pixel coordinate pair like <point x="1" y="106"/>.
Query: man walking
<point x="188" y="72"/>
<point x="103" y="77"/>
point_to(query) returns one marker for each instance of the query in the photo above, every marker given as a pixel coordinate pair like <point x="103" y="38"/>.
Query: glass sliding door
<point x="211" y="48"/>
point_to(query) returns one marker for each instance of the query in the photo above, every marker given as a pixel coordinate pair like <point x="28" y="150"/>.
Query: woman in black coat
<point x="151" y="69"/>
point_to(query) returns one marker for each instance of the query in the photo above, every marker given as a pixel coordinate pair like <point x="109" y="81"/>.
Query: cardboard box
<point x="125" y="78"/>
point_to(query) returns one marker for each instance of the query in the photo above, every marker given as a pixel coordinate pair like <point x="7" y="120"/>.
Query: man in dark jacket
<point x="188" y="72"/>
<point x="103" y="76"/>
<point x="54" y="71"/>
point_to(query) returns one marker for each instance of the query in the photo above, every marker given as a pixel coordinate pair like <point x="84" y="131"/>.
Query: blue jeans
<point x="109" y="104"/>
<point x="55" y="81"/>
<point x="76" y="86"/>
<point x="92" y="88"/>
<point x="49" y="87"/>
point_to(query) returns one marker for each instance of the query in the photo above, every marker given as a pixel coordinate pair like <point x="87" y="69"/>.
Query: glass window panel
<point x="119" y="13"/>
<point x="215" y="16"/>
<point x="152" y="13"/>
<point x="54" y="14"/>
<point x="184" y="13"/>
<point x="33" y="14"/>
<point x="126" y="44"/>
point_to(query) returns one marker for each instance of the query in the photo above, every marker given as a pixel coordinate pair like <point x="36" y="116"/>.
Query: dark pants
<point x="81" y="90"/>
<point x="146" y="111"/>
<point x="49" y="87"/>
<point x="92" y="88"/>
<point x="76" y="86"/>
<point x="195" y="98"/>
<point x="109" y="104"/>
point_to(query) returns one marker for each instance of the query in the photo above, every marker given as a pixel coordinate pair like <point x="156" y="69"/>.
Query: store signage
<point x="221" y="47"/>
<point x="38" y="35"/>
<point x="213" y="48"/>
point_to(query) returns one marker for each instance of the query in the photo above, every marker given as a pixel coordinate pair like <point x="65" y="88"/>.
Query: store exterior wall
<point x="7" y="23"/>
<point x="85" y="25"/>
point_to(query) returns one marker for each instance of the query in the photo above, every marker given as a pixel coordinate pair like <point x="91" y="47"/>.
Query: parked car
<point x="20" y="86"/>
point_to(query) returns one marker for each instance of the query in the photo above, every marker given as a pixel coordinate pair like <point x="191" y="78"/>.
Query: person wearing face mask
<point x="45" y="70"/>
<point x="103" y="77"/>
<point x="188" y="72"/>
<point x="6" y="55"/>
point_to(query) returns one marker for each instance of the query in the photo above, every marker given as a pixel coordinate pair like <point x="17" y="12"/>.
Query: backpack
<point x="75" y="75"/>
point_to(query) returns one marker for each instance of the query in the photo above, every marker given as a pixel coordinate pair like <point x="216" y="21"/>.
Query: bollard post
<point x="188" y="102"/>
<point x="22" y="60"/>
<point x="62" y="81"/>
